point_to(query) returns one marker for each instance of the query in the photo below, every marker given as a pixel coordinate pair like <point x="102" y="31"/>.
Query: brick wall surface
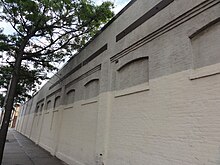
<point x="164" y="113"/>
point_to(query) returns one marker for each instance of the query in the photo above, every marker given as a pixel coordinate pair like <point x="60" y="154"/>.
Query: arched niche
<point x="91" y="88"/>
<point x="41" y="108"/>
<point x="37" y="109"/>
<point x="205" y="45"/>
<point x="49" y="104"/>
<point x="132" y="73"/>
<point x="70" y="96"/>
<point x="57" y="102"/>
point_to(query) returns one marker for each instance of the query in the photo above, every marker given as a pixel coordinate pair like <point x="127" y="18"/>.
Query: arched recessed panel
<point x="206" y="47"/>
<point x="42" y="106"/>
<point x="37" y="109"/>
<point x="133" y="73"/>
<point x="92" y="88"/>
<point x="57" y="102"/>
<point x="49" y="104"/>
<point x="70" y="96"/>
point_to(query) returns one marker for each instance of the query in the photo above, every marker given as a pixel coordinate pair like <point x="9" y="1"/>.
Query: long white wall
<point x="151" y="96"/>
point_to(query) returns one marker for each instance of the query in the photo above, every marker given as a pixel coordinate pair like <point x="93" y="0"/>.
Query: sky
<point x="119" y="4"/>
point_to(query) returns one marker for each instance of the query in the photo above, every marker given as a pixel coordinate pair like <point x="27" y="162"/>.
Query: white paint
<point x="175" y="122"/>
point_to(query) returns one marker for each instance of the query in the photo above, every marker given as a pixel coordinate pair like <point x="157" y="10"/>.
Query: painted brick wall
<point x="169" y="116"/>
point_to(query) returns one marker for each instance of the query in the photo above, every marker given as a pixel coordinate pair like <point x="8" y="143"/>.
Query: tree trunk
<point x="9" y="105"/>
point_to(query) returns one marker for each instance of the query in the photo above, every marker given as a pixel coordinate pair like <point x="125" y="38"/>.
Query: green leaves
<point x="28" y="80"/>
<point x="47" y="31"/>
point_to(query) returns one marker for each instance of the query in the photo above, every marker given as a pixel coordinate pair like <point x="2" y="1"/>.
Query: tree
<point x="27" y="85"/>
<point x="1" y="100"/>
<point x="46" y="31"/>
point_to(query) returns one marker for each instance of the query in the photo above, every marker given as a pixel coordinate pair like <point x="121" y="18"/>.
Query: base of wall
<point x="49" y="149"/>
<point x="67" y="159"/>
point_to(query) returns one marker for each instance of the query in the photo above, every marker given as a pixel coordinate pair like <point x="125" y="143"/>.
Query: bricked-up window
<point x="57" y="102"/>
<point x="92" y="88"/>
<point x="49" y="105"/>
<point x="132" y="73"/>
<point x="37" y="109"/>
<point x="41" y="108"/>
<point x="70" y="96"/>
<point x="206" y="46"/>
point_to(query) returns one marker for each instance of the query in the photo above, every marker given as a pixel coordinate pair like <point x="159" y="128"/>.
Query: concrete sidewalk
<point x="19" y="150"/>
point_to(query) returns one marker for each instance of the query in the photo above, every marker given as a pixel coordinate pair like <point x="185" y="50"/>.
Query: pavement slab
<point x="19" y="150"/>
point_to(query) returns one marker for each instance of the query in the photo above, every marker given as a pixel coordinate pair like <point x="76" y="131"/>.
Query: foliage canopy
<point x="45" y="32"/>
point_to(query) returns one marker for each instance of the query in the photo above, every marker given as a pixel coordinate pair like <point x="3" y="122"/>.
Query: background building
<point x="14" y="115"/>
